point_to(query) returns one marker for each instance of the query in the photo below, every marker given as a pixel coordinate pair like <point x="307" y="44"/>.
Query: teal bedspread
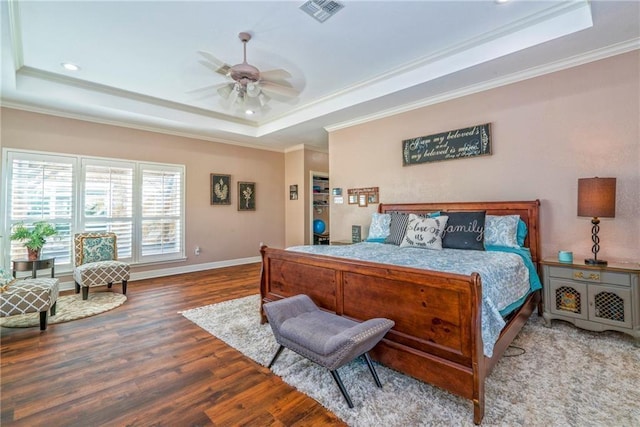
<point x="508" y="274"/>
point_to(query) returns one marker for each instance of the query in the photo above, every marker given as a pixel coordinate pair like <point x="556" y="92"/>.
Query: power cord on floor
<point x="515" y="351"/>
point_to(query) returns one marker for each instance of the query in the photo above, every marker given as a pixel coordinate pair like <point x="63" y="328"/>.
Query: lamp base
<point x="592" y="261"/>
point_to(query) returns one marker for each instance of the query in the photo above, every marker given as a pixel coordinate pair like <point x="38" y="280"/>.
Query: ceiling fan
<point x="249" y="85"/>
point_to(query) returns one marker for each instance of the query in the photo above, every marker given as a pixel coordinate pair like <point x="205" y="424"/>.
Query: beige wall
<point x="299" y="164"/>
<point x="295" y="209"/>
<point x="546" y="133"/>
<point x="222" y="232"/>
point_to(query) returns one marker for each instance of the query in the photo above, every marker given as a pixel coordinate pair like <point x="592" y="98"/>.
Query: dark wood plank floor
<point x="144" y="364"/>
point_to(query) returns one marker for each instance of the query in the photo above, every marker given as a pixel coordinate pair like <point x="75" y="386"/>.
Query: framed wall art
<point x="293" y="192"/>
<point x="246" y="196"/>
<point x="220" y="189"/>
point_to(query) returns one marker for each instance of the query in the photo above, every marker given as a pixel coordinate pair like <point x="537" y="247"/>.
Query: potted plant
<point x="33" y="237"/>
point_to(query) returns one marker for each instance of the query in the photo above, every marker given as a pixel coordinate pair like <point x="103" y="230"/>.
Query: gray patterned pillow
<point x="424" y="233"/>
<point x="501" y="230"/>
<point x="397" y="227"/>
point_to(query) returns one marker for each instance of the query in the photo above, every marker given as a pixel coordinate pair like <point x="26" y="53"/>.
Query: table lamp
<point x="596" y="198"/>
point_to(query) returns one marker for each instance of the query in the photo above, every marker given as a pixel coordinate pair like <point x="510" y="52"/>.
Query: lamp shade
<point x="597" y="197"/>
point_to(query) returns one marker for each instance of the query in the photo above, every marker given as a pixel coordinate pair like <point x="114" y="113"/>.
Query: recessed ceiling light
<point x="70" y="67"/>
<point x="249" y="112"/>
<point x="501" y="1"/>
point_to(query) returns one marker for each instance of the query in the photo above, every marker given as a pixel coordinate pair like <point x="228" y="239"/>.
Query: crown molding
<point x="595" y="55"/>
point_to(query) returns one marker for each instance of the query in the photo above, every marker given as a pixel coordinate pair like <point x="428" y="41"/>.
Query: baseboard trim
<point x="151" y="274"/>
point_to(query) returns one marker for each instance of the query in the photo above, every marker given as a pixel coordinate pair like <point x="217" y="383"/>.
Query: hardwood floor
<point x="144" y="364"/>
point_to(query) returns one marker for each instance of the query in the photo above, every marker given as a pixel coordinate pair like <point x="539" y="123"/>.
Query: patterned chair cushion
<point x="29" y="296"/>
<point x="100" y="273"/>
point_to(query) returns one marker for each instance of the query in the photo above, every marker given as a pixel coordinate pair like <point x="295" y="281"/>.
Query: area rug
<point x="558" y="376"/>
<point x="69" y="307"/>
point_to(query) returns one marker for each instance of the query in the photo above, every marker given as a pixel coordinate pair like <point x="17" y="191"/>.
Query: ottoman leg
<point x="43" y="320"/>
<point x="77" y="288"/>
<point x="53" y="308"/>
<point x="275" y="356"/>
<point x="372" y="369"/>
<point x="124" y="287"/>
<point x="85" y="292"/>
<point x="336" y="377"/>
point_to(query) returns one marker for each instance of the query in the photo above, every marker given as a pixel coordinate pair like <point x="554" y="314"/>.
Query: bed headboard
<point x="528" y="211"/>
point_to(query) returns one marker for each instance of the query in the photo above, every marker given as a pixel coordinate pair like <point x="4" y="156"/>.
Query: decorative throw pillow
<point x="464" y="230"/>
<point x="424" y="233"/>
<point x="6" y="279"/>
<point x="522" y="232"/>
<point x="501" y="230"/>
<point x="379" y="228"/>
<point x="98" y="249"/>
<point x="397" y="227"/>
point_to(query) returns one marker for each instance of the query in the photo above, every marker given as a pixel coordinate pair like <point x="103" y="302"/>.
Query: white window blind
<point x="41" y="189"/>
<point x="143" y="203"/>
<point x="108" y="201"/>
<point x="161" y="211"/>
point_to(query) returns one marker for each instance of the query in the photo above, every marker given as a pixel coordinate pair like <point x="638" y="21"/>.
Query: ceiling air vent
<point x="321" y="10"/>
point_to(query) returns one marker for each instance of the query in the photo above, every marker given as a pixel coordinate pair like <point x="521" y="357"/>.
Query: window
<point x="143" y="203"/>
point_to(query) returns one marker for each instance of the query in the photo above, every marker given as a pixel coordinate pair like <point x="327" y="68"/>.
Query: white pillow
<point x="501" y="230"/>
<point x="380" y="226"/>
<point x="424" y="233"/>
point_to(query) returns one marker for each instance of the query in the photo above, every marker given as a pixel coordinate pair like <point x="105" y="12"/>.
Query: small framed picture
<point x="246" y="196"/>
<point x="362" y="200"/>
<point x="353" y="199"/>
<point x="293" y="192"/>
<point x="220" y="189"/>
<point x="372" y="198"/>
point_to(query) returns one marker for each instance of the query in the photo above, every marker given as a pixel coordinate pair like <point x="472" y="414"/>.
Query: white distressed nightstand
<point x="596" y="298"/>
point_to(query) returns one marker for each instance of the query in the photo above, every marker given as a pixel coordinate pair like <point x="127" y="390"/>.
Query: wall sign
<point x="454" y="144"/>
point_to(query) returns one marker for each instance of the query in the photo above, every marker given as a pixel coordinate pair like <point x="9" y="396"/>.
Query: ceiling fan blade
<point x="208" y="88"/>
<point x="274" y="89"/>
<point x="213" y="67"/>
<point x="278" y="74"/>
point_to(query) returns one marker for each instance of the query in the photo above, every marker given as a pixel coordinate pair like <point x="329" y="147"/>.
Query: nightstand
<point x="596" y="298"/>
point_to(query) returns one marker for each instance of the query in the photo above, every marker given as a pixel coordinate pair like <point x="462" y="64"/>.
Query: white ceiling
<point x="139" y="61"/>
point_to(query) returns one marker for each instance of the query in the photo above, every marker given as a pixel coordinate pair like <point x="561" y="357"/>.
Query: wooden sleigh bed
<point x="437" y="335"/>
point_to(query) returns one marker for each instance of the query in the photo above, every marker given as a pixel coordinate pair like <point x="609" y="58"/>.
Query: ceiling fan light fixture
<point x="253" y="89"/>
<point x="263" y="99"/>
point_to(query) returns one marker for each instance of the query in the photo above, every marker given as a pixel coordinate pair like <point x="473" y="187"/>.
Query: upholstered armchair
<point x="21" y="296"/>
<point x="96" y="262"/>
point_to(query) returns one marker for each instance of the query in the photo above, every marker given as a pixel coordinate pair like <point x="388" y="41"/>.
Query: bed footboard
<point x="437" y="336"/>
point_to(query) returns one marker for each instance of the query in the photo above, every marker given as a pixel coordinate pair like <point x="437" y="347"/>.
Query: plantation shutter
<point x="108" y="201"/>
<point x="162" y="194"/>
<point x="40" y="188"/>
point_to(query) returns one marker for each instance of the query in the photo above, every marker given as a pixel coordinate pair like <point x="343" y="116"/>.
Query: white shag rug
<point x="69" y="307"/>
<point x="566" y="377"/>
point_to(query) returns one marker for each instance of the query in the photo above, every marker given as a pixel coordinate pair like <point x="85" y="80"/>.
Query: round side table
<point x="33" y="266"/>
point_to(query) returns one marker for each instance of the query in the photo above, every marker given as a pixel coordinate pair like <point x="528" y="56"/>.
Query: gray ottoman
<point x="30" y="296"/>
<point x="325" y="338"/>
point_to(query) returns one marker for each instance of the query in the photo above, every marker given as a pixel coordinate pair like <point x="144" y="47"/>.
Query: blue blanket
<point x="508" y="274"/>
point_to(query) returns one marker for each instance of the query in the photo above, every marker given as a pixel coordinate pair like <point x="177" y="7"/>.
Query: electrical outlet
<point x="197" y="250"/>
